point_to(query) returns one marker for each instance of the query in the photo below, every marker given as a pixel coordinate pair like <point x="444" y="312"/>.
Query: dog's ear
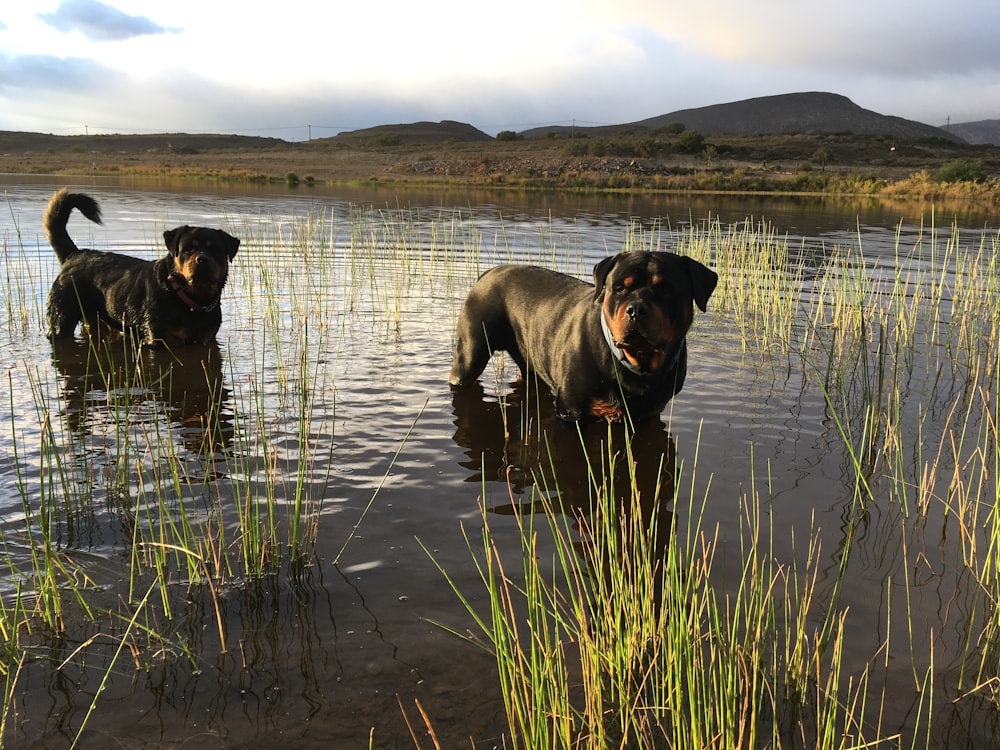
<point x="173" y="238"/>
<point x="232" y="243"/>
<point x="703" y="281"/>
<point x="601" y="271"/>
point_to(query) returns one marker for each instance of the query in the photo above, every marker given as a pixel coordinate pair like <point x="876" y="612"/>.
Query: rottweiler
<point x="615" y="350"/>
<point x="168" y="302"/>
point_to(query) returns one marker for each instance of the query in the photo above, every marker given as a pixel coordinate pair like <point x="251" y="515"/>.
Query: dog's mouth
<point x="642" y="348"/>
<point x="197" y="283"/>
<point x="198" y="293"/>
<point x="643" y="354"/>
<point x="201" y="272"/>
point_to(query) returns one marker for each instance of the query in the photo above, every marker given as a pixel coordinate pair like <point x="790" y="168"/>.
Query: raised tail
<point x="61" y="205"/>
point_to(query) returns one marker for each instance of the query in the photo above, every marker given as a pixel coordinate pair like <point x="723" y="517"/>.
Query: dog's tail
<point x="57" y="214"/>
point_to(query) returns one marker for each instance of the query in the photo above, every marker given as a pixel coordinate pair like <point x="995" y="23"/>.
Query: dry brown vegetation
<point x="454" y="154"/>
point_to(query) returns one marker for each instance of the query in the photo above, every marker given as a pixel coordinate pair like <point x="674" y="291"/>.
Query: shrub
<point x="690" y="142"/>
<point x="385" y="141"/>
<point x="674" y="128"/>
<point x="574" y="149"/>
<point x="821" y="156"/>
<point x="960" y="170"/>
<point x="647" y="148"/>
<point x="508" y="135"/>
<point x="597" y="148"/>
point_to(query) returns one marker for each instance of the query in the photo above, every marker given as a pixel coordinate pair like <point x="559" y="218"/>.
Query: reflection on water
<point x="114" y="397"/>
<point x="519" y="441"/>
<point x="187" y="383"/>
<point x="309" y="663"/>
<point x="396" y="463"/>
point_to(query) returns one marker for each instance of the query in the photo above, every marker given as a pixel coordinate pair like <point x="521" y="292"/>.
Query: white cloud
<point x="521" y="63"/>
<point x="99" y="22"/>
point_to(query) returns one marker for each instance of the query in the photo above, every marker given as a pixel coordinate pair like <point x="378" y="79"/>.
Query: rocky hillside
<point x="983" y="131"/>
<point x="811" y="112"/>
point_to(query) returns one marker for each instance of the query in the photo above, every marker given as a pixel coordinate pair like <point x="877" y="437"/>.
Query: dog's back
<point x="61" y="205"/>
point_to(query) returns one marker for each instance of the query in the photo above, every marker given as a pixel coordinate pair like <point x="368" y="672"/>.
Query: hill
<point x="809" y="112"/>
<point x="983" y="131"/>
<point x="22" y="142"/>
<point x="446" y="131"/>
<point x="810" y="142"/>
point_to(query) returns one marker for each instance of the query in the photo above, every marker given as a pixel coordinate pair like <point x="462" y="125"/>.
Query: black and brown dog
<point x="614" y="350"/>
<point x="169" y="302"/>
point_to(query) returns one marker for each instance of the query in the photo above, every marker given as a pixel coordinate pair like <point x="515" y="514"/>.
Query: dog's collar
<point x="619" y="355"/>
<point x="178" y="285"/>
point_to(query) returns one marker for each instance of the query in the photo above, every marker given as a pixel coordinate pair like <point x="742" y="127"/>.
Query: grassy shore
<point x="835" y="164"/>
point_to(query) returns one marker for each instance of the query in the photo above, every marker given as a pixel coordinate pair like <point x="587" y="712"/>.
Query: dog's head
<point x="647" y="300"/>
<point x="199" y="257"/>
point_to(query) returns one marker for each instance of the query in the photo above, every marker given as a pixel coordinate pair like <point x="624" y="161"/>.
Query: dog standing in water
<point x="172" y="301"/>
<point x="613" y="350"/>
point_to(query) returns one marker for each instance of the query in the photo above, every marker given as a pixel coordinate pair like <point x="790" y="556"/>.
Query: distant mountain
<point x="416" y="132"/>
<point x="809" y="112"/>
<point x="983" y="131"/>
<point x="13" y="141"/>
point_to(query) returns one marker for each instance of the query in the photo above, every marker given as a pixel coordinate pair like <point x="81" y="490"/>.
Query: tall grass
<point x="615" y="626"/>
<point x="611" y="631"/>
<point x="601" y="644"/>
<point x="227" y="494"/>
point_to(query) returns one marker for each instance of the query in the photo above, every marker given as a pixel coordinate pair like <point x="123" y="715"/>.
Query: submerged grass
<point x="608" y="634"/>
<point x="209" y="471"/>
<point x="610" y="630"/>
<point x="617" y="625"/>
<point x="600" y="643"/>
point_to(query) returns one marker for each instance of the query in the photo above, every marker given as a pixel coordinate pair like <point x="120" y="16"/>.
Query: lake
<point x="243" y="545"/>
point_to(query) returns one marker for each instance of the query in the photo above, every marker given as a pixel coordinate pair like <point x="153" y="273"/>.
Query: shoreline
<point x="545" y="165"/>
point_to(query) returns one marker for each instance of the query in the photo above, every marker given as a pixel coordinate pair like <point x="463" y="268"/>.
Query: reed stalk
<point x="609" y="635"/>
<point x="608" y="630"/>
<point x="890" y="349"/>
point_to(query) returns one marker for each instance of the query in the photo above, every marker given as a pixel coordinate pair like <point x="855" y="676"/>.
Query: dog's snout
<point x="636" y="310"/>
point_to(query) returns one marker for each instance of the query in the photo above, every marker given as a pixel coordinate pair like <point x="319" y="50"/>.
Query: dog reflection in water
<point x="523" y="442"/>
<point x="108" y="379"/>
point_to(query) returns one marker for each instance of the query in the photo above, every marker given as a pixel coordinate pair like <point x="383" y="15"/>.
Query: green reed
<point x="908" y="364"/>
<point x="754" y="667"/>
<point x="609" y="631"/>
<point x="175" y="508"/>
<point x="17" y="301"/>
<point x="906" y="360"/>
<point x="985" y="494"/>
<point x="54" y="575"/>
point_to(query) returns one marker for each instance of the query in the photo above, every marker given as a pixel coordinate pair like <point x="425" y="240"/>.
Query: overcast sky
<point x="295" y="68"/>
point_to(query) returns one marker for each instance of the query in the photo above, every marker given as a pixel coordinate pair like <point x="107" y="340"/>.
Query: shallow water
<point x="392" y="463"/>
